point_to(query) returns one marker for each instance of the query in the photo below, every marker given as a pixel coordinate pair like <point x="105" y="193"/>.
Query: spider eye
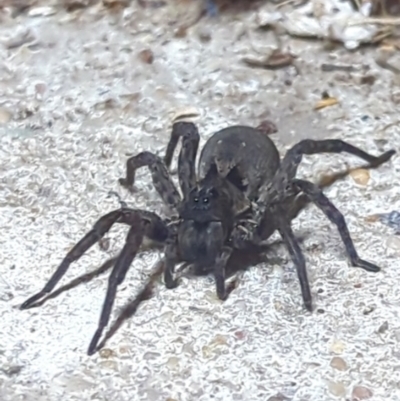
<point x="213" y="193"/>
<point x="206" y="200"/>
<point x="195" y="200"/>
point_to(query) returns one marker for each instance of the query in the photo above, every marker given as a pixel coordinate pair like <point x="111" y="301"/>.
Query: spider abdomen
<point x="246" y="156"/>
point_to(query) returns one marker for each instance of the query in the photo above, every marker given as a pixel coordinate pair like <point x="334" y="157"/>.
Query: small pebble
<point x="104" y="244"/>
<point x="383" y="327"/>
<point x="338" y="363"/>
<point x="204" y="34"/>
<point x="206" y="351"/>
<point x="278" y="397"/>
<point x="367" y="80"/>
<point x="360" y="176"/>
<point x="147" y="56"/>
<point x="393" y="243"/>
<point x="337" y="347"/>
<point x="337" y="389"/>
<point x="106" y="353"/>
<point x="361" y="393"/>
<point x="5" y="116"/>
<point x="11" y="370"/>
<point x="240" y="334"/>
<point x="109" y="364"/>
<point x="40" y="88"/>
<point x="123" y="350"/>
<point x="219" y="340"/>
<point x="173" y="362"/>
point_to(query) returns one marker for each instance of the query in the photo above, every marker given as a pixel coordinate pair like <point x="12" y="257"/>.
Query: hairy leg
<point x="133" y="241"/>
<point x="294" y="155"/>
<point x="161" y="179"/>
<point x="84" y="278"/>
<point x="280" y="187"/>
<point x="332" y="213"/>
<point x="171" y="259"/>
<point x="219" y="273"/>
<point x="187" y="156"/>
<point x="130" y="309"/>
<point x="155" y="229"/>
<point x="288" y="237"/>
<point x="302" y="200"/>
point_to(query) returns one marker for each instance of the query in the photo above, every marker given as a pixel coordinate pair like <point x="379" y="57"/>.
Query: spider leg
<point x="294" y="155"/>
<point x="130" y="309"/>
<point x="187" y="156"/>
<point x="302" y="200"/>
<point x="133" y="241"/>
<point x="279" y="187"/>
<point x="171" y="259"/>
<point x="161" y="179"/>
<point x="100" y="228"/>
<point x="333" y="214"/>
<point x="85" y="278"/>
<point x="219" y="273"/>
<point x="288" y="237"/>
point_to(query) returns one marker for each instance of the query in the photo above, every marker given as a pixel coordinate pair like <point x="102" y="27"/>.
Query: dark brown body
<point x="245" y="155"/>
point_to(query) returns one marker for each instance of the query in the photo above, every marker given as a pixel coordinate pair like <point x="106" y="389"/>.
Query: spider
<point x="240" y="196"/>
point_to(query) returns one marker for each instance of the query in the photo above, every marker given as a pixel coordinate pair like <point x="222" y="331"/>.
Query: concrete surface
<point x="75" y="102"/>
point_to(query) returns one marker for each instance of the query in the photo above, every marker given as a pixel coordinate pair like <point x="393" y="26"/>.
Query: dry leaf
<point x="44" y="11"/>
<point x="186" y="113"/>
<point x="116" y="3"/>
<point x="267" y="127"/>
<point x="329" y="101"/>
<point x="373" y="218"/>
<point x="72" y="5"/>
<point x="276" y="59"/>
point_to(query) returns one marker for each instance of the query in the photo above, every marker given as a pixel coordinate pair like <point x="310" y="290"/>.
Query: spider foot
<point x="95" y="340"/>
<point x="31" y="302"/>
<point x="384" y="157"/>
<point x="368" y="266"/>
<point x="169" y="281"/>
<point x="223" y="293"/>
<point x="172" y="284"/>
<point x="130" y="187"/>
<point x="232" y="285"/>
<point x="122" y="203"/>
<point x="308" y="304"/>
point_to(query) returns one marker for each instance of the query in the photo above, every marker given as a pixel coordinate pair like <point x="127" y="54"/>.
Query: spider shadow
<point x="239" y="262"/>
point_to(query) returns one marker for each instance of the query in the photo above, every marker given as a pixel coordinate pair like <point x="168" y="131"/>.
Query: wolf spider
<point x="240" y="196"/>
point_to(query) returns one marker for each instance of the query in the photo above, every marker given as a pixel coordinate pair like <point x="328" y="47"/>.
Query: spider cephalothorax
<point x="240" y="196"/>
<point x="207" y="217"/>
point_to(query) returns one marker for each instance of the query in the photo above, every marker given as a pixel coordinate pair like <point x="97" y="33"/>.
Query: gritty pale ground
<point x="82" y="101"/>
